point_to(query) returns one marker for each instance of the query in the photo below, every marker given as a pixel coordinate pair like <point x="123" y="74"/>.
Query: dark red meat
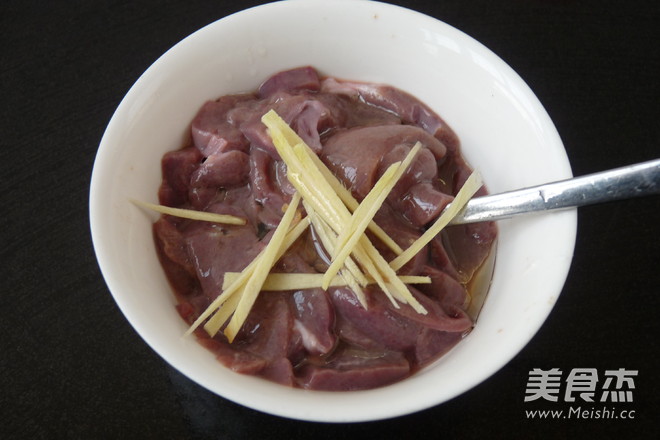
<point x="312" y="338"/>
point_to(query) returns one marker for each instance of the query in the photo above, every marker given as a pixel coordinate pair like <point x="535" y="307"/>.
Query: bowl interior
<point x="505" y="133"/>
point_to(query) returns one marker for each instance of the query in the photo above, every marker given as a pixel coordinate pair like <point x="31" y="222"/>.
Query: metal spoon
<point x="636" y="180"/>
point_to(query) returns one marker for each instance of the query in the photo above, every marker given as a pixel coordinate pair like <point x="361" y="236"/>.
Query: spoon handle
<point x="636" y="180"/>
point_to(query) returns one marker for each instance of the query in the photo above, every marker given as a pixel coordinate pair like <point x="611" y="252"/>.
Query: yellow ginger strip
<point x="365" y="252"/>
<point x="321" y="193"/>
<point x="261" y="270"/>
<point x="297" y="281"/>
<point x="352" y="204"/>
<point x="365" y="212"/>
<point x="316" y="190"/>
<point x="362" y="255"/>
<point x="291" y="237"/>
<point x="394" y="284"/>
<point x="331" y="210"/>
<point x="281" y="129"/>
<point x="353" y="277"/>
<point x="470" y="187"/>
<point x="225" y="311"/>
<point x="326" y="202"/>
<point x="234" y="291"/>
<point x="353" y="231"/>
<point x="328" y="239"/>
<point x="192" y="214"/>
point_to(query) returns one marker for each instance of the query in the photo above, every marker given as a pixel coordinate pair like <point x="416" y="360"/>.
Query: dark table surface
<point x="72" y="367"/>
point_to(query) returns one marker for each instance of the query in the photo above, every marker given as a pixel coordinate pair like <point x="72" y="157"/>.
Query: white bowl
<point x="505" y="133"/>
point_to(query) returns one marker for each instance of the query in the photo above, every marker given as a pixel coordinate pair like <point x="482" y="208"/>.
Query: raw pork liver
<point x="312" y="338"/>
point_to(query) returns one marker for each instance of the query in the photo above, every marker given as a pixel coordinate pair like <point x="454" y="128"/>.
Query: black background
<point x="72" y="367"/>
